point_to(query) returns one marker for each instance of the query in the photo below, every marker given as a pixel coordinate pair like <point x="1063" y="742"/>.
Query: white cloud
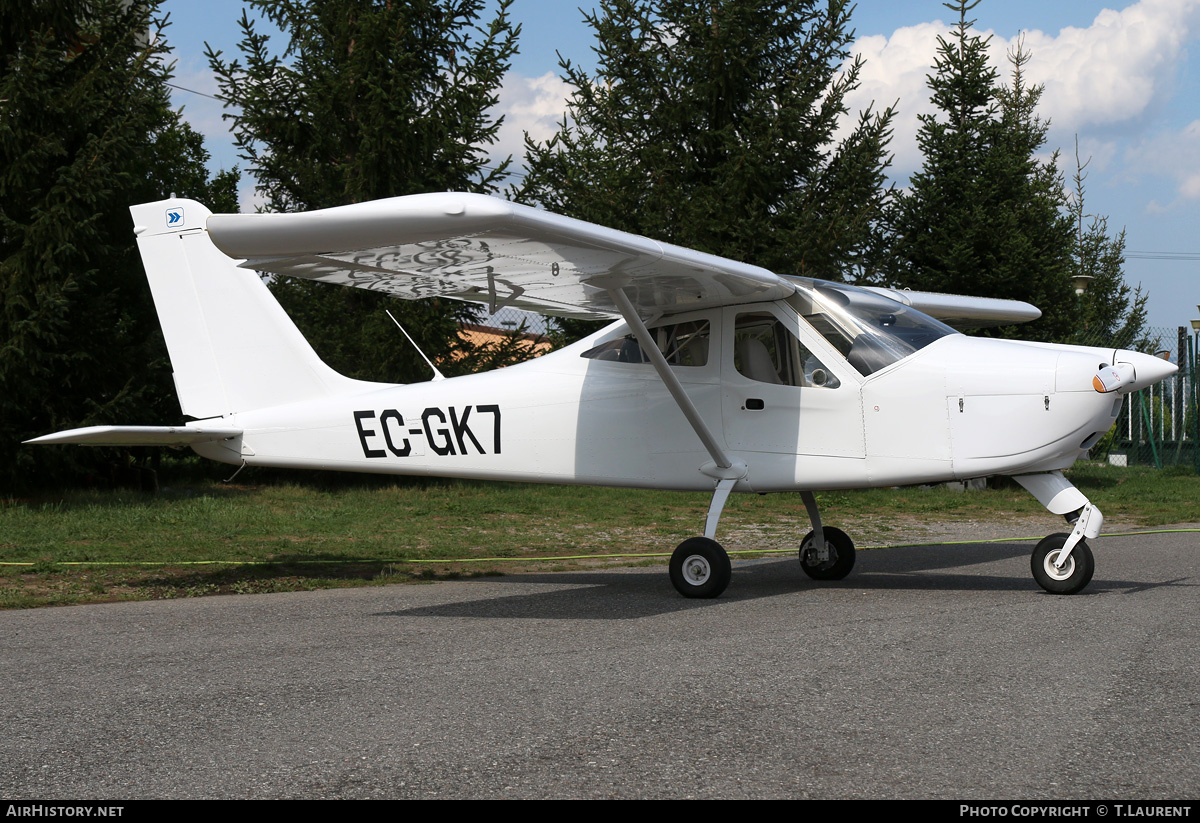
<point x="1175" y="156"/>
<point x="1117" y="68"/>
<point x="529" y="104"/>
<point x="1107" y="76"/>
<point x="1190" y="187"/>
<point x="250" y="197"/>
<point x="895" y="72"/>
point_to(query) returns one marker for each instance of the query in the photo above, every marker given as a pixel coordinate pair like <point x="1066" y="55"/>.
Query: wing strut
<point x="723" y="466"/>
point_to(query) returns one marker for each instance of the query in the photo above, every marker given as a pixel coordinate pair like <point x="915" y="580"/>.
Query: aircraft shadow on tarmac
<point x="625" y="595"/>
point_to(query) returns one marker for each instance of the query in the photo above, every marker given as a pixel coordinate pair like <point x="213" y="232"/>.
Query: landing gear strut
<point x="700" y="567"/>
<point x="826" y="553"/>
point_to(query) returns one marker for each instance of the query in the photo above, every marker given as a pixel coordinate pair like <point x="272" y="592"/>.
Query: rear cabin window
<point x="682" y="344"/>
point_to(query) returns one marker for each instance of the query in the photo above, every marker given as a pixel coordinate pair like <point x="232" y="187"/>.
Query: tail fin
<point x="232" y="346"/>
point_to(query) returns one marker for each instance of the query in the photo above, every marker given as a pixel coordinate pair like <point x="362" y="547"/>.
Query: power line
<point x="1163" y="255"/>
<point x="193" y="91"/>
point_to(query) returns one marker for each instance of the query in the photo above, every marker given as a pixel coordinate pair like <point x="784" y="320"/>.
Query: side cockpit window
<point x="682" y="344"/>
<point x="766" y="350"/>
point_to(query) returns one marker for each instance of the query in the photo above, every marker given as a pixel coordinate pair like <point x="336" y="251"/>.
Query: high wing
<point x="962" y="311"/>
<point x="487" y="250"/>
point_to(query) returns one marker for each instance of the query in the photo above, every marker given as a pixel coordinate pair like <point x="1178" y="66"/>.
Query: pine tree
<point x="984" y="216"/>
<point x="1111" y="313"/>
<point x="86" y="130"/>
<point x="713" y="125"/>
<point x="366" y="100"/>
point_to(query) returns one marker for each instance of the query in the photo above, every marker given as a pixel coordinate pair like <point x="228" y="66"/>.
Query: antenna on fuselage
<point x="437" y="375"/>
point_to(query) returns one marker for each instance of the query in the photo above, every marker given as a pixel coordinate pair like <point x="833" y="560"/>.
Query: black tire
<point x="841" y="555"/>
<point x="1073" y="577"/>
<point x="700" y="568"/>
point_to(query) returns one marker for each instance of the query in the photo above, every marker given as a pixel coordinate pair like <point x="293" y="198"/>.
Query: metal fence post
<point x="1147" y="418"/>
<point x="1193" y="354"/>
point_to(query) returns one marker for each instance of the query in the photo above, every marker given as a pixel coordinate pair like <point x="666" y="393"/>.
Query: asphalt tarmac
<point x="931" y="672"/>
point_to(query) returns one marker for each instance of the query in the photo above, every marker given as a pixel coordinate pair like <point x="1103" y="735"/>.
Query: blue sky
<point x="1117" y="76"/>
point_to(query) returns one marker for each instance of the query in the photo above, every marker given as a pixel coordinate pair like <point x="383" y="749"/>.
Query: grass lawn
<point x="202" y="537"/>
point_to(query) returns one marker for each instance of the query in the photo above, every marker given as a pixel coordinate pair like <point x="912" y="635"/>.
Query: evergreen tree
<point x="984" y="216"/>
<point x="1111" y="313"/>
<point x="86" y="130"/>
<point x="713" y="125"/>
<point x="369" y="99"/>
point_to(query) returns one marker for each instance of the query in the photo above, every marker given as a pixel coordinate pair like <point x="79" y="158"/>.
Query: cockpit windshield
<point x="870" y="330"/>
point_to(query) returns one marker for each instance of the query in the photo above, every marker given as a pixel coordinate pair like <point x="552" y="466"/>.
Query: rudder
<point x="232" y="346"/>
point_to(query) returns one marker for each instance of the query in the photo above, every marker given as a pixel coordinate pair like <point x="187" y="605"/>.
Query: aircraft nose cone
<point x="1147" y="368"/>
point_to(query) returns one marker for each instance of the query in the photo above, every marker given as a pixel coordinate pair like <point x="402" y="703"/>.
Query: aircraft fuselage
<point x="960" y="407"/>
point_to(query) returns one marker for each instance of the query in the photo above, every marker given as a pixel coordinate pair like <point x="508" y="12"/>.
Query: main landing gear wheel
<point x="1075" y="573"/>
<point x="700" y="568"/>
<point x="841" y="555"/>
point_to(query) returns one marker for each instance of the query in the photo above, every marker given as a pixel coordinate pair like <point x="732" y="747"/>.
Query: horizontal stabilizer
<point x="137" y="436"/>
<point x="963" y="311"/>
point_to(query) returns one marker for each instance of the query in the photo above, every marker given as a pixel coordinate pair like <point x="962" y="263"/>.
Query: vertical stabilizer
<point x="232" y="346"/>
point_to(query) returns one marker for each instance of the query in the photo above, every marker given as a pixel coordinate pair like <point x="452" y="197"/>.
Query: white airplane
<point x="716" y="376"/>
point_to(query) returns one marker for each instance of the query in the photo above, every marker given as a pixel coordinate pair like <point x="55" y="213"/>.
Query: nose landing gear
<point x="1074" y="573"/>
<point x="1062" y="563"/>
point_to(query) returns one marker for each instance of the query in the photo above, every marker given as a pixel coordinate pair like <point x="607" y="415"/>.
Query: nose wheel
<point x="1075" y="573"/>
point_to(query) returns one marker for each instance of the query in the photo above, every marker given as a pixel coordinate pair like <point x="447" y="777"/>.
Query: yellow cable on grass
<point x="521" y="559"/>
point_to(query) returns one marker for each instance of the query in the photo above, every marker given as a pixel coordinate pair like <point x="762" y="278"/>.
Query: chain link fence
<point x="515" y="321"/>
<point x="1159" y="426"/>
<point x="532" y="326"/>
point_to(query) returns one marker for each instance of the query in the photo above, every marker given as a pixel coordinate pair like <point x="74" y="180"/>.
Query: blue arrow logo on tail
<point x="175" y="217"/>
